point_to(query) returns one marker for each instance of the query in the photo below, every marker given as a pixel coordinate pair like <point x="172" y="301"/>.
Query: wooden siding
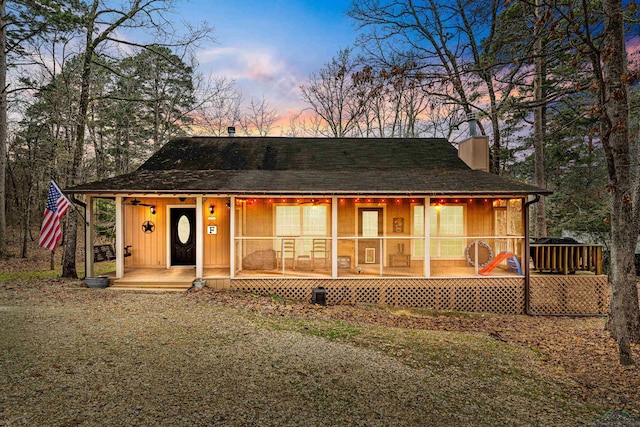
<point x="479" y="218"/>
<point x="148" y="250"/>
<point x="216" y="246"/>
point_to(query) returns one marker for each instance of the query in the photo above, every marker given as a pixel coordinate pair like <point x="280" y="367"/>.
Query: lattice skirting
<point x="579" y="294"/>
<point x="491" y="295"/>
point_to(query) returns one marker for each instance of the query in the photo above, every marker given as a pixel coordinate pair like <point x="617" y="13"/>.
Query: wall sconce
<point x="211" y="209"/>
<point x="228" y="204"/>
<point x="152" y="208"/>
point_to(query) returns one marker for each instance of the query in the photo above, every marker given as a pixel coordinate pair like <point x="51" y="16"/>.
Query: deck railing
<point x="566" y="258"/>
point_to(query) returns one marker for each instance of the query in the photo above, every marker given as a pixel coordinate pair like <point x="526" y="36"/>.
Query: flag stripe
<point x="51" y="230"/>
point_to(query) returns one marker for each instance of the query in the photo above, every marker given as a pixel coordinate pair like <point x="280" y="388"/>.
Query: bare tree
<point x="333" y="96"/>
<point x="259" y="117"/>
<point x="103" y="25"/>
<point x="624" y="187"/>
<point x="540" y="118"/>
<point x="3" y="129"/>
<point x="219" y="108"/>
<point x="599" y="35"/>
<point x="449" y="42"/>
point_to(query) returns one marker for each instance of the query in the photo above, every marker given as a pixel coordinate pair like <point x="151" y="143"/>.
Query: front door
<point x="369" y="225"/>
<point x="183" y="238"/>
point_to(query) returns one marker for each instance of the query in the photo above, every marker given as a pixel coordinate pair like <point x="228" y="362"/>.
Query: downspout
<point x="83" y="205"/>
<point x="527" y="272"/>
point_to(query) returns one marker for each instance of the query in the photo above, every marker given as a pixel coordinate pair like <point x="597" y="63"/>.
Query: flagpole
<point x="74" y="200"/>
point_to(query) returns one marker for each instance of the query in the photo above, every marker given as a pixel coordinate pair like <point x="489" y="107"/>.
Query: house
<point x="411" y="222"/>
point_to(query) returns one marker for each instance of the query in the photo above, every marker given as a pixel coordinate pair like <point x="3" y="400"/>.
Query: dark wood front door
<point x="183" y="236"/>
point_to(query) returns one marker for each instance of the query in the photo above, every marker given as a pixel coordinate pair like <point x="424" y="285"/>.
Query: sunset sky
<point x="270" y="47"/>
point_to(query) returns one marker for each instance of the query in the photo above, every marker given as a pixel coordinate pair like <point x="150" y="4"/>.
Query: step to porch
<point x="151" y="285"/>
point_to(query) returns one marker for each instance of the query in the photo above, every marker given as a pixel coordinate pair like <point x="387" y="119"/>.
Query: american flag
<point x="57" y="206"/>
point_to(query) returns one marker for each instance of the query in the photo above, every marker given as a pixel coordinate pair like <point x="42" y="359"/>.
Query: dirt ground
<point x="76" y="356"/>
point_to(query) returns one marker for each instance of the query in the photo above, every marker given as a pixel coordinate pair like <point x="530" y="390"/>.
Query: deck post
<point x="119" y="239"/>
<point x="88" y="242"/>
<point x="232" y="237"/>
<point x="334" y="237"/>
<point x="427" y="237"/>
<point x="199" y="238"/>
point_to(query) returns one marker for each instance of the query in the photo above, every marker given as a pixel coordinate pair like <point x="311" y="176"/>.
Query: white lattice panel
<point x="500" y="295"/>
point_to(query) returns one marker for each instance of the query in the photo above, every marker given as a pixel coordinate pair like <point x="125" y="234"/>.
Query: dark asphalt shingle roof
<point x="306" y="165"/>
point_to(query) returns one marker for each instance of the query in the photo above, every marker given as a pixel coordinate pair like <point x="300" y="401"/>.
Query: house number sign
<point x="212" y="229"/>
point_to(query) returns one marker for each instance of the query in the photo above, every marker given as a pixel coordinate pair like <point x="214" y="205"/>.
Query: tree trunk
<point x="26" y="223"/>
<point x="624" y="319"/>
<point x="539" y="122"/>
<point x="70" y="244"/>
<point x="3" y="130"/>
<point x="69" y="255"/>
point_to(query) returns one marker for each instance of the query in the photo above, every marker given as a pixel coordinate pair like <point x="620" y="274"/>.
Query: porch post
<point x="232" y="232"/>
<point x="119" y="239"/>
<point x="88" y="240"/>
<point x="525" y="257"/>
<point x="427" y="237"/>
<point x="199" y="239"/>
<point x="334" y="237"/>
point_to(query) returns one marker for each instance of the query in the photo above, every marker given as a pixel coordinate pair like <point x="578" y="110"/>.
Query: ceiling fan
<point x="136" y="202"/>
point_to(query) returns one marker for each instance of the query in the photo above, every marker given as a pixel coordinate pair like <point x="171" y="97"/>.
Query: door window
<point x="184" y="229"/>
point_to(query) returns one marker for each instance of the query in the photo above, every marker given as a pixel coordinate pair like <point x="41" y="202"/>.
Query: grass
<point x="331" y="330"/>
<point x="99" y="269"/>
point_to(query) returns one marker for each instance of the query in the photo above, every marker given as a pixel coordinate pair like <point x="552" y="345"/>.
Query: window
<point x="295" y="220"/>
<point x="447" y="221"/>
<point x="288" y="220"/>
<point x="314" y="220"/>
<point x="370" y="223"/>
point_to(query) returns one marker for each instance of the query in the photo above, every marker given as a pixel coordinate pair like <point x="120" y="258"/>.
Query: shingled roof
<point x="242" y="165"/>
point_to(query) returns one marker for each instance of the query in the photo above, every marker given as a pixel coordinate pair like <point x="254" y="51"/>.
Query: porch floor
<point x="176" y="279"/>
<point x="181" y="278"/>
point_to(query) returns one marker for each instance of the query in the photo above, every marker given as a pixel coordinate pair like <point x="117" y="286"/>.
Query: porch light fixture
<point x="211" y="209"/>
<point x="228" y="204"/>
<point x="152" y="208"/>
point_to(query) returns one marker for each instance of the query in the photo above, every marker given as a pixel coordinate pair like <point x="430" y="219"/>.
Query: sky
<point x="270" y="47"/>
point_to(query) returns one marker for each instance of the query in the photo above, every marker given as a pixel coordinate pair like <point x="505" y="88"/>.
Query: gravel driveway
<point x="99" y="357"/>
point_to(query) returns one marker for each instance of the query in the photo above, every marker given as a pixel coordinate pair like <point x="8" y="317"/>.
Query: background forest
<point x="84" y="102"/>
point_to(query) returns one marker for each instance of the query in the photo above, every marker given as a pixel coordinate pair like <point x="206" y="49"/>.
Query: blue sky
<point x="270" y="47"/>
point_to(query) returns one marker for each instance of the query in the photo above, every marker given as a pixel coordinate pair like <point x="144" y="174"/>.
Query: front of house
<point x="400" y="221"/>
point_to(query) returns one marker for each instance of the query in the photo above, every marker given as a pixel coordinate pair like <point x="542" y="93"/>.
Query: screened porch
<point x="342" y="237"/>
